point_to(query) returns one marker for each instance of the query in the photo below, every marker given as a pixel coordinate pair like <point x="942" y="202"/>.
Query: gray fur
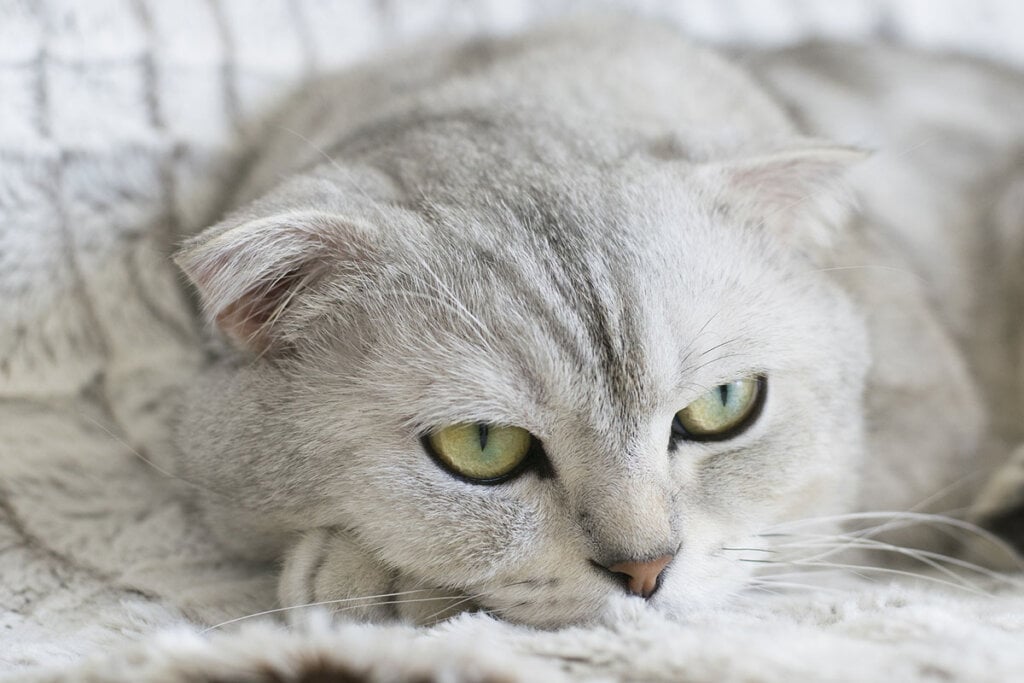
<point x="577" y="232"/>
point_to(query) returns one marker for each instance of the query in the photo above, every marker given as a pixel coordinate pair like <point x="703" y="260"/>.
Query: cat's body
<point x="934" y="256"/>
<point x="580" y="232"/>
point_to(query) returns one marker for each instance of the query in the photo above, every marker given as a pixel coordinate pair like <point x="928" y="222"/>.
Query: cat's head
<point x="550" y="394"/>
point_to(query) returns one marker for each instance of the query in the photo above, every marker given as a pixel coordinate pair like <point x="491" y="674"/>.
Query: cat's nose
<point x="642" y="577"/>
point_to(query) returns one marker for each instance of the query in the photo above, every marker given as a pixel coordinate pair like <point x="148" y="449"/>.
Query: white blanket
<point x="120" y="122"/>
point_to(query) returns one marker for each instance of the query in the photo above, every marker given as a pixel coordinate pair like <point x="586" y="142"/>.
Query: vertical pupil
<point x="723" y="393"/>
<point x="482" y="433"/>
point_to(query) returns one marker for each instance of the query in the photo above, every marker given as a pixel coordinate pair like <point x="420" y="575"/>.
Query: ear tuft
<point x="249" y="274"/>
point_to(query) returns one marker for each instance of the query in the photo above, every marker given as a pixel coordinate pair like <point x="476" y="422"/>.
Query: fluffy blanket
<point x="120" y="124"/>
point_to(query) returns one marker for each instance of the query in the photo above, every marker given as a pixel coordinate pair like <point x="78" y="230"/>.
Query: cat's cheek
<point x="792" y="464"/>
<point x="421" y="520"/>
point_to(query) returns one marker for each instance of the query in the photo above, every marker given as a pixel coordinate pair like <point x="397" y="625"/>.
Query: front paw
<point x="328" y="569"/>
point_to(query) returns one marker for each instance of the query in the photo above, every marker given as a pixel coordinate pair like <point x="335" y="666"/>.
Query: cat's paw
<point x="328" y="569"/>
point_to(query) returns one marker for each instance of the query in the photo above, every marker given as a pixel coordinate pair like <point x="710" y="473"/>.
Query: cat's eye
<point x="482" y="453"/>
<point x="722" y="412"/>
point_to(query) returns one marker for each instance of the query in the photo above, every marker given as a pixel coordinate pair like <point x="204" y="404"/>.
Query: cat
<point x="559" y="324"/>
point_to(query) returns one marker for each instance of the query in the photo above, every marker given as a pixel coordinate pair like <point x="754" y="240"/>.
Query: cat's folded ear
<point x="250" y="273"/>
<point x="796" y="191"/>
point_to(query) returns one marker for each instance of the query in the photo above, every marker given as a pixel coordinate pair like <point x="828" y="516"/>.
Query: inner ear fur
<point x="796" y="191"/>
<point x="250" y="274"/>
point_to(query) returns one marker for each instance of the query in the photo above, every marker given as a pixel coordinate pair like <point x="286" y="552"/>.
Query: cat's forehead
<point x="548" y="302"/>
<point x="574" y="217"/>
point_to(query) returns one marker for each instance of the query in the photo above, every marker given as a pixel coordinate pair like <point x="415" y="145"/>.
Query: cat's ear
<point x="249" y="273"/>
<point x="796" y="192"/>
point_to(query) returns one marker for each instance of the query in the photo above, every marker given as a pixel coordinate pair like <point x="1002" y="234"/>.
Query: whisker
<point x="314" y="146"/>
<point x="893" y="520"/>
<point x="927" y="557"/>
<point x="692" y="347"/>
<point x="405" y="602"/>
<point x="802" y="586"/>
<point x="466" y="599"/>
<point x="862" y="539"/>
<point x="705" y="352"/>
<point x="310" y="604"/>
<point x="692" y="370"/>
<point x="800" y="574"/>
<point x="858" y="569"/>
<point x="171" y="475"/>
<point x="477" y="326"/>
<point x="945" y="490"/>
<point x="878" y="546"/>
<point x="903" y="271"/>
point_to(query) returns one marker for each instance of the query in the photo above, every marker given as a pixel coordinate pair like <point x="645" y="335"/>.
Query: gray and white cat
<point x="548" y="325"/>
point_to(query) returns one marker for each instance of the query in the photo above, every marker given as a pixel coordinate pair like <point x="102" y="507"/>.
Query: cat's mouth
<point x="553" y="602"/>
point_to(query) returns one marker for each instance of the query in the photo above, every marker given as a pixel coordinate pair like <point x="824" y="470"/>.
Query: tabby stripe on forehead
<point x="617" y="342"/>
<point x="617" y="338"/>
<point x="526" y="289"/>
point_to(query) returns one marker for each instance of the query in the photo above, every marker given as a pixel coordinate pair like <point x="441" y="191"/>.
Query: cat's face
<point x="588" y="316"/>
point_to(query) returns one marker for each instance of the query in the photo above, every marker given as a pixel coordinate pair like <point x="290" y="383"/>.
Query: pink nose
<point x="643" y="576"/>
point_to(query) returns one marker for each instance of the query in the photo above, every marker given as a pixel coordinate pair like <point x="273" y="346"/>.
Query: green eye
<point x="479" y="452"/>
<point x="722" y="412"/>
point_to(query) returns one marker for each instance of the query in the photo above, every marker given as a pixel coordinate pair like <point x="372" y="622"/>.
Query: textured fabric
<point x="120" y="124"/>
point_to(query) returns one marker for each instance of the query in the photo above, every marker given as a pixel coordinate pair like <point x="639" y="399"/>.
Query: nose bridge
<point x="627" y="515"/>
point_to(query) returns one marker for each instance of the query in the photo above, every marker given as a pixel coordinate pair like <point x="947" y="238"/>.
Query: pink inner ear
<point x="248" y="275"/>
<point x="785" y="178"/>
<point x="777" y="184"/>
<point x="247" y="320"/>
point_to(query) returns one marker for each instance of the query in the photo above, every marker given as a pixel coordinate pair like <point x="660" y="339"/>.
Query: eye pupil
<point x="722" y="412"/>
<point x="481" y="453"/>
